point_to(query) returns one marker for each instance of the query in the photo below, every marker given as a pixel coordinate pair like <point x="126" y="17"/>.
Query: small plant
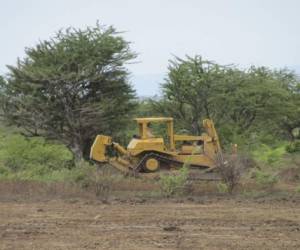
<point x="99" y="179"/>
<point x="172" y="185"/>
<point x="222" y="187"/>
<point x="230" y="171"/>
<point x="269" y="155"/>
<point x="265" y="179"/>
<point x="102" y="181"/>
<point x="298" y="189"/>
<point x="293" y="147"/>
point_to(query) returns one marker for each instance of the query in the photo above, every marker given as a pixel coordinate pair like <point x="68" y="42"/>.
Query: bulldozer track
<point x="159" y="157"/>
<point x="204" y="173"/>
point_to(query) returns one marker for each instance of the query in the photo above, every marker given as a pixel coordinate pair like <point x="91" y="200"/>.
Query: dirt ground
<point x="158" y="224"/>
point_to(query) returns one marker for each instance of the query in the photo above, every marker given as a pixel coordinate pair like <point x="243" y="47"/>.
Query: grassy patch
<point x="271" y="156"/>
<point x="18" y="153"/>
<point x="222" y="187"/>
<point x="172" y="185"/>
<point x="265" y="179"/>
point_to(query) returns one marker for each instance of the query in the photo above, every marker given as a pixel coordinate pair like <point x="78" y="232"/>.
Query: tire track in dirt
<point x="224" y="224"/>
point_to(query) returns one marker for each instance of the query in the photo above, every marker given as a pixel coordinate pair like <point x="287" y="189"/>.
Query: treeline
<point x="76" y="85"/>
<point x="254" y="104"/>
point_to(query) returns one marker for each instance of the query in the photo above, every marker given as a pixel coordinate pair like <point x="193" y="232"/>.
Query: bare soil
<point x="210" y="223"/>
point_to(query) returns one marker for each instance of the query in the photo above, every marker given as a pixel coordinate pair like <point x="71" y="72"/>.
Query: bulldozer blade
<point x="121" y="165"/>
<point x="98" y="149"/>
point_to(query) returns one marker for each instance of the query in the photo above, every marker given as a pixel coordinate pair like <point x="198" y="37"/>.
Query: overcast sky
<point x="260" y="32"/>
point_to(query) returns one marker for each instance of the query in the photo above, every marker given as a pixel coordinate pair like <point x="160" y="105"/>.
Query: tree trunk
<point x="196" y="129"/>
<point x="77" y="151"/>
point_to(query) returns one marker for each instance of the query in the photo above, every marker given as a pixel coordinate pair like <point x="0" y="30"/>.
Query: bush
<point x="19" y="153"/>
<point x="38" y="160"/>
<point x="42" y="173"/>
<point x="35" y="158"/>
<point x="268" y="155"/>
<point x="102" y="181"/>
<point x="293" y="147"/>
<point x="98" y="179"/>
<point x="265" y="179"/>
<point x="230" y="169"/>
<point x="174" y="184"/>
<point x="222" y="187"/>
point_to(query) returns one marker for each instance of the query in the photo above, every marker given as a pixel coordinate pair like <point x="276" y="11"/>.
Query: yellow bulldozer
<point x="149" y="155"/>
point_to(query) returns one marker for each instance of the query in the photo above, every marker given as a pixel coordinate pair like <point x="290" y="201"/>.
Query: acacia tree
<point x="241" y="102"/>
<point x="71" y="87"/>
<point x="291" y="119"/>
<point x="261" y="101"/>
<point x="189" y="90"/>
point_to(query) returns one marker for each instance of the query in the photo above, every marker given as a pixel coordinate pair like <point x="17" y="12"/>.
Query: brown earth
<point x="210" y="223"/>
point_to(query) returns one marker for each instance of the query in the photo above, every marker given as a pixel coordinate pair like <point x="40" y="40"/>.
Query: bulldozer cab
<point x="188" y="142"/>
<point x="145" y="130"/>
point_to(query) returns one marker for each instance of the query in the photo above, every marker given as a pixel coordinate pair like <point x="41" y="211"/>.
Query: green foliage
<point x="2" y="82"/>
<point x="293" y="147"/>
<point x="174" y="184"/>
<point x="71" y="87"/>
<point x="256" y="102"/>
<point x="298" y="189"/>
<point x="18" y="153"/>
<point x="31" y="169"/>
<point x="268" y="155"/>
<point x="222" y="187"/>
<point x="34" y="158"/>
<point x="189" y="91"/>
<point x="265" y="179"/>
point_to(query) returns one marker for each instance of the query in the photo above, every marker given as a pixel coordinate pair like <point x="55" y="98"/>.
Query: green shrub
<point x="36" y="173"/>
<point x="293" y="147"/>
<point x="268" y="155"/>
<point x="265" y="179"/>
<point x="172" y="185"/>
<point x="77" y="175"/>
<point x="19" y="153"/>
<point x="36" y="159"/>
<point x="4" y="171"/>
<point x="80" y="174"/>
<point x="222" y="187"/>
